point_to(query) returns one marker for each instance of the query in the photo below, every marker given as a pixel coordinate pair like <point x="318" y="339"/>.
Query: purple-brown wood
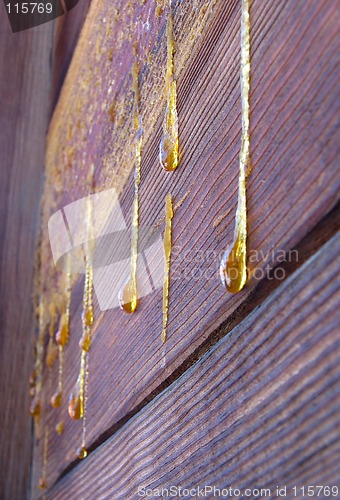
<point x="24" y="97"/>
<point x="259" y="410"/>
<point x="293" y="185"/>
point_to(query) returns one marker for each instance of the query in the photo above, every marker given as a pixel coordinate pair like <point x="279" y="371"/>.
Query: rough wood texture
<point x="294" y="183"/>
<point x="260" y="409"/>
<point x="24" y="97"/>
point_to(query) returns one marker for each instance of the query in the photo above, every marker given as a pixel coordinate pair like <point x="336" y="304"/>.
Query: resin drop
<point x="85" y="341"/>
<point x="233" y="267"/>
<point x="82" y="452"/>
<point x="35" y="408"/>
<point x="62" y="335"/>
<point x="33" y="377"/>
<point x="42" y="483"/>
<point x="128" y="299"/>
<point x="56" y="399"/>
<point x="167" y="252"/>
<point x="60" y="428"/>
<point x="76" y="404"/>
<point x="87" y="316"/>
<point x="76" y="400"/>
<point x="33" y="382"/>
<point x="168" y="149"/>
<point x="52" y="353"/>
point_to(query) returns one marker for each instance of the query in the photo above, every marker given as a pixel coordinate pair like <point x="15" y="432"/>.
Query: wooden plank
<point x="260" y="409"/>
<point x="67" y="31"/>
<point x="24" y="96"/>
<point x="294" y="183"/>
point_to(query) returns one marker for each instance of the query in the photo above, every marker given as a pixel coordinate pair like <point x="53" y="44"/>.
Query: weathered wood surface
<point x="24" y="97"/>
<point x="260" y="409"/>
<point x="294" y="183"/>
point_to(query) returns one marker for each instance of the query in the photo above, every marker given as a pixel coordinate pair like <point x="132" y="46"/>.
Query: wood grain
<point x="260" y="409"/>
<point x="67" y="30"/>
<point x="24" y="96"/>
<point x="294" y="182"/>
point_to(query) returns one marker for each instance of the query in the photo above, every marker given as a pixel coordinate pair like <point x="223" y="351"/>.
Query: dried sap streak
<point x="76" y="401"/>
<point x="168" y="148"/>
<point x="51" y="356"/>
<point x="52" y="350"/>
<point x="82" y="451"/>
<point x="62" y="338"/>
<point x="233" y="268"/>
<point x="167" y="252"/>
<point x="128" y="296"/>
<point x="36" y="380"/>
<point x="85" y="344"/>
<point x="43" y="480"/>
<point x="78" y="397"/>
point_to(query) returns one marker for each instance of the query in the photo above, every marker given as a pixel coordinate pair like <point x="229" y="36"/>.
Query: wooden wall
<point x="27" y="86"/>
<point x="258" y="410"/>
<point x="24" y="96"/>
<point x="244" y="391"/>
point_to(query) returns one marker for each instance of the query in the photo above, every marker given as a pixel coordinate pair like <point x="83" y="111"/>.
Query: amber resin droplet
<point x="35" y="408"/>
<point x="56" y="399"/>
<point x="33" y="378"/>
<point x="85" y="341"/>
<point x="167" y="252"/>
<point x="233" y="267"/>
<point x="82" y="452"/>
<point x="76" y="400"/>
<point x="32" y="383"/>
<point x="128" y="295"/>
<point x="75" y="405"/>
<point x="52" y="353"/>
<point x="62" y="335"/>
<point x="168" y="149"/>
<point x="60" y="428"/>
<point x="42" y="483"/>
<point x="87" y="316"/>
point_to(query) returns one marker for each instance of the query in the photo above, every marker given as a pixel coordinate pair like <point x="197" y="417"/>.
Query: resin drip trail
<point x="233" y="267"/>
<point x="128" y="296"/>
<point x="36" y="380"/>
<point x="52" y="350"/>
<point x="167" y="252"/>
<point x="168" y="148"/>
<point x="82" y="451"/>
<point x="77" y="401"/>
<point x="50" y="358"/>
<point x="62" y="338"/>
<point x="43" y="480"/>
